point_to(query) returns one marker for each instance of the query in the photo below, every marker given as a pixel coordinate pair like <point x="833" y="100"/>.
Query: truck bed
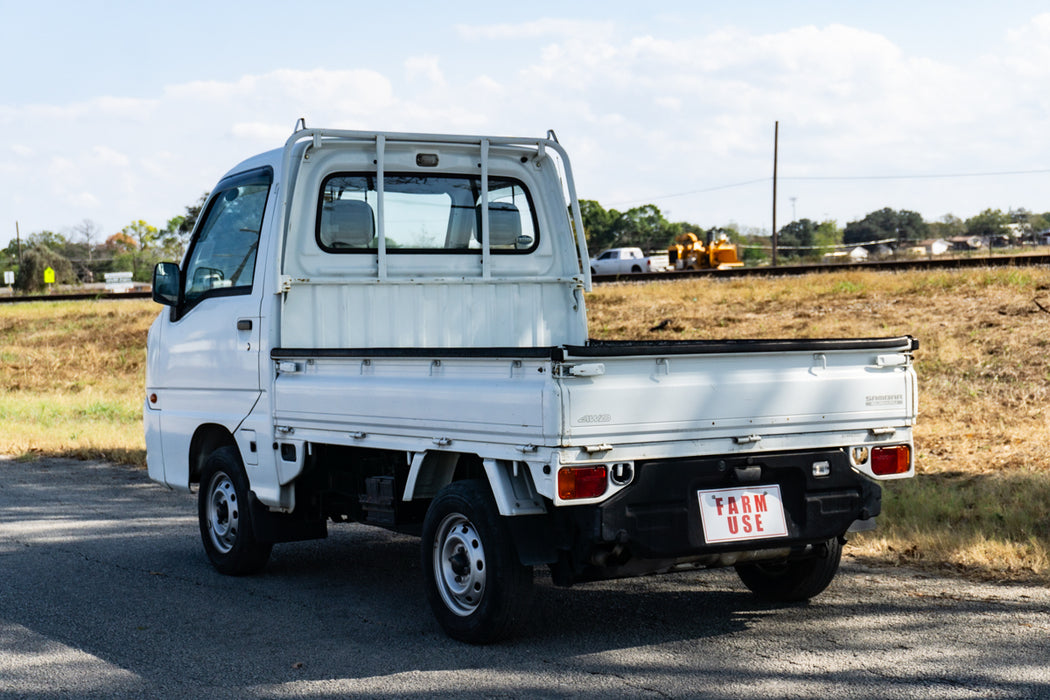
<point x="734" y="392"/>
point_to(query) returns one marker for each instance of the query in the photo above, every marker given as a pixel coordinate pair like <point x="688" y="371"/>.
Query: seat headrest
<point x="504" y="224"/>
<point x="347" y="223"/>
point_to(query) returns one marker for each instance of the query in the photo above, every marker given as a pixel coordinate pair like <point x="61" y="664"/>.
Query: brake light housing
<point x="890" y="460"/>
<point x="575" y="483"/>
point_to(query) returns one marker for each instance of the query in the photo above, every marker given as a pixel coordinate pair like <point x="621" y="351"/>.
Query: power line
<point x="702" y="191"/>
<point x="833" y="178"/>
<point x="927" y="176"/>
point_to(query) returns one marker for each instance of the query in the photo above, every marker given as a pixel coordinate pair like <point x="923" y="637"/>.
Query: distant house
<point x="934" y="246"/>
<point x="1043" y="237"/>
<point x="966" y="243"/>
<point x="878" y="251"/>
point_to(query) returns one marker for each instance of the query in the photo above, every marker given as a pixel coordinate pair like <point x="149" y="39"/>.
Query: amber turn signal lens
<point x="582" y="482"/>
<point x="895" y="459"/>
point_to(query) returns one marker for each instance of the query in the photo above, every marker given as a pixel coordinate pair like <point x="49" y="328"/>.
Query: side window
<point x="222" y="257"/>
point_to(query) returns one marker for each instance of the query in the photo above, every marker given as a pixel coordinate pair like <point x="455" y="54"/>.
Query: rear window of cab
<point x="424" y="214"/>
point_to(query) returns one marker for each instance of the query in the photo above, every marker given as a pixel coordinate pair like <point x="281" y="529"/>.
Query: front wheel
<point x="792" y="581"/>
<point x="475" y="584"/>
<point x="225" y="515"/>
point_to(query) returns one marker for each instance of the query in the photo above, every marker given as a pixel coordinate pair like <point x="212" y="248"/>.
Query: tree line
<point x="646" y="227"/>
<point x="78" y="257"/>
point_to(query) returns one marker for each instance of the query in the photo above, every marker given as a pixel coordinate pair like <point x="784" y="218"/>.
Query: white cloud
<point x="258" y="131"/>
<point x="536" y="29"/>
<point x="106" y="156"/>
<point x="425" y="68"/>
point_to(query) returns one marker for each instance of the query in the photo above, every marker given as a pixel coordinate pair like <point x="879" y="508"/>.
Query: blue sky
<point x="117" y="111"/>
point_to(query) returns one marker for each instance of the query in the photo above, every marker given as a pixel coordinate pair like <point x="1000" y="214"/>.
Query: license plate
<point x="740" y="514"/>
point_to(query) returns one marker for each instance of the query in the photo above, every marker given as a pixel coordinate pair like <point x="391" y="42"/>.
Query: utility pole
<point x="776" y="144"/>
<point x="18" y="241"/>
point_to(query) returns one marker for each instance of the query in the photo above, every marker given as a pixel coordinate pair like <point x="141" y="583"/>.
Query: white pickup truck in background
<point x="623" y="261"/>
<point x="390" y="329"/>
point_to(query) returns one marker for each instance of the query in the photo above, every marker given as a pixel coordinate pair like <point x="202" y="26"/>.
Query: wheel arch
<point x="510" y="482"/>
<point x="206" y="439"/>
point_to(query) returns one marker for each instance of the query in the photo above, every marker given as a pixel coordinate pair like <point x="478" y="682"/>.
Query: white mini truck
<point x="390" y="329"/>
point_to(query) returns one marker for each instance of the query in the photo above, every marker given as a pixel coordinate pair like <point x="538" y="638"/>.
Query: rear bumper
<point x="655" y="524"/>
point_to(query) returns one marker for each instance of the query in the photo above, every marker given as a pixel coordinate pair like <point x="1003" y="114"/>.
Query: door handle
<point x="244" y="324"/>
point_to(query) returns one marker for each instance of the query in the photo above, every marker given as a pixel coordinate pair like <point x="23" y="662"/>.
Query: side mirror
<point x="167" y="284"/>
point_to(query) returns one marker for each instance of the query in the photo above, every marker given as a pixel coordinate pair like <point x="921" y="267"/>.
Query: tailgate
<point x="655" y="392"/>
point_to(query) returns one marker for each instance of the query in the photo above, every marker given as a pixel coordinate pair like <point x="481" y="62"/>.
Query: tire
<point x="635" y="268"/>
<point x="481" y="598"/>
<point x="225" y="516"/>
<point x="793" y="581"/>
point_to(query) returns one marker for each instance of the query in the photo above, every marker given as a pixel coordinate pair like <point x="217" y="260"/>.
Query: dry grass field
<point x="71" y="377"/>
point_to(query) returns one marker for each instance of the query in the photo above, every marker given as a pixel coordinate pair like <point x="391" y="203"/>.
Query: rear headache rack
<point x="379" y="141"/>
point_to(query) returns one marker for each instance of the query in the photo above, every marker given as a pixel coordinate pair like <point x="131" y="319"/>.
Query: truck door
<point x="207" y="366"/>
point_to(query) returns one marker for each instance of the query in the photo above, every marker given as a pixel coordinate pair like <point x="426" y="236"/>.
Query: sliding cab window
<point x="424" y="214"/>
<point x="222" y="257"/>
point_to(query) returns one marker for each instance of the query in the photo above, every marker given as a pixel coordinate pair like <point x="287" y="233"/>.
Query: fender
<point x="510" y="482"/>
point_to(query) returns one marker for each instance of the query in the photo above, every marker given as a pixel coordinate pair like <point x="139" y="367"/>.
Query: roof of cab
<point x="269" y="158"/>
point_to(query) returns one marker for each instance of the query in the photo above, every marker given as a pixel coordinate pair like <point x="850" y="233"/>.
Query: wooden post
<point x="776" y="143"/>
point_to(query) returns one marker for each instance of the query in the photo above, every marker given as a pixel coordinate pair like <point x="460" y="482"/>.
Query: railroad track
<point x="885" y="265"/>
<point x="779" y="271"/>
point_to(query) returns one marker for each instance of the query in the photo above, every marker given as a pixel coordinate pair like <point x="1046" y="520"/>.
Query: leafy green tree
<point x="796" y="239"/>
<point x="176" y="234"/>
<point x="597" y="225"/>
<point x="47" y="239"/>
<point x="35" y="260"/>
<point x="1027" y="224"/>
<point x="144" y="234"/>
<point x="646" y="228"/>
<point x="949" y="226"/>
<point x="145" y="253"/>
<point x="990" y="224"/>
<point x="827" y="236"/>
<point x="901" y="227"/>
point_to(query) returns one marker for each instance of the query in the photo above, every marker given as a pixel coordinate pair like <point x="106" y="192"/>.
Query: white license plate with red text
<point x="739" y="514"/>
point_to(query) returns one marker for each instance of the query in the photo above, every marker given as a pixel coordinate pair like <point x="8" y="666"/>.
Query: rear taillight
<point x="582" y="482"/>
<point x="895" y="459"/>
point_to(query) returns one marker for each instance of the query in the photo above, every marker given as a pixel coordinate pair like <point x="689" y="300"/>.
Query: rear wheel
<point x="791" y="581"/>
<point x="225" y="516"/>
<point x="475" y="584"/>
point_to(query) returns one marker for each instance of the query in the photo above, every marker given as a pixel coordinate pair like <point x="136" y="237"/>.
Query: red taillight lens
<point x="890" y="460"/>
<point x="582" y="482"/>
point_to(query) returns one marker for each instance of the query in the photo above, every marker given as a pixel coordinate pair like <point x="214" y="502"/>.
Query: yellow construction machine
<point x="688" y="252"/>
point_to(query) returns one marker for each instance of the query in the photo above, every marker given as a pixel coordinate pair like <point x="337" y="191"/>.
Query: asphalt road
<point x="105" y="592"/>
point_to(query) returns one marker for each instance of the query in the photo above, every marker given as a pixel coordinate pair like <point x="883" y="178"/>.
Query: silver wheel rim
<point x="223" y="513"/>
<point x="459" y="564"/>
